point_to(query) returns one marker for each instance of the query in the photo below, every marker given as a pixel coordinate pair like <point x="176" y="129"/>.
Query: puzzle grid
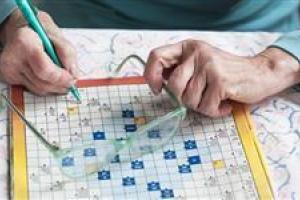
<point x="205" y="159"/>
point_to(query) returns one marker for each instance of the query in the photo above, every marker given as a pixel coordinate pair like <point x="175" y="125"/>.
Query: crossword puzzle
<point x="205" y="159"/>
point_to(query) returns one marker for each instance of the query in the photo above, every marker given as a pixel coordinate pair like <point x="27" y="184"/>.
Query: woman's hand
<point x="23" y="60"/>
<point x="205" y="78"/>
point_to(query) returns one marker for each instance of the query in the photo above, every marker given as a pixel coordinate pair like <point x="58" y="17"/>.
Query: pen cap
<point x="27" y="9"/>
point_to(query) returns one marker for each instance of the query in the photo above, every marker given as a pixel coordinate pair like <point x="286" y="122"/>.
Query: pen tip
<point x="76" y="94"/>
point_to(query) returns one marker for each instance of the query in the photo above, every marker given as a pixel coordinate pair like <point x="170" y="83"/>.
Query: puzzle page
<point x="204" y="160"/>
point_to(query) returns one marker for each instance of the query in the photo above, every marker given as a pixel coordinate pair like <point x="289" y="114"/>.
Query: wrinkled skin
<point x="205" y="78"/>
<point x="23" y="60"/>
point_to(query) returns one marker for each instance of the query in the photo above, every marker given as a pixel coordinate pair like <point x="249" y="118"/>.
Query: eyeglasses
<point x="74" y="164"/>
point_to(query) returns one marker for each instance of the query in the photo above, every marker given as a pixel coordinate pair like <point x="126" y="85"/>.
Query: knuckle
<point x="189" y="41"/>
<point x="200" y="45"/>
<point x="195" y="45"/>
<point x="155" y="54"/>
<point x="204" y="50"/>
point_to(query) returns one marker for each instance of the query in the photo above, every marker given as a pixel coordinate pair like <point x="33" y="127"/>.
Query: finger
<point x="193" y="94"/>
<point x="42" y="86"/>
<point x="211" y="104"/>
<point x="158" y="60"/>
<point x="180" y="77"/>
<point x="46" y="70"/>
<point x="50" y="87"/>
<point x="67" y="54"/>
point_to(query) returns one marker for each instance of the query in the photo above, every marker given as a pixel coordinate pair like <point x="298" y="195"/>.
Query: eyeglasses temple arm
<point x="29" y="125"/>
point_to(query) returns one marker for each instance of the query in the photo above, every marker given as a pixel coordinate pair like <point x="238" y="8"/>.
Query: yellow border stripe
<point x="253" y="151"/>
<point x="242" y="120"/>
<point x="19" y="174"/>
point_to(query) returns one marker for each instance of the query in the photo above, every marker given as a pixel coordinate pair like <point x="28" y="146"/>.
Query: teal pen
<point x="30" y="14"/>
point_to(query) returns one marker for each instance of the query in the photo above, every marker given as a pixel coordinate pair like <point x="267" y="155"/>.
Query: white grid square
<point x="102" y="112"/>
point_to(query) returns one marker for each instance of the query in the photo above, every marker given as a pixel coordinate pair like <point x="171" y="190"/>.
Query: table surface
<point x="277" y="119"/>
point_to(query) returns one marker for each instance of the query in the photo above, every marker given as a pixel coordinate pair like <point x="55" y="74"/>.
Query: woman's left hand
<point x="205" y="78"/>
